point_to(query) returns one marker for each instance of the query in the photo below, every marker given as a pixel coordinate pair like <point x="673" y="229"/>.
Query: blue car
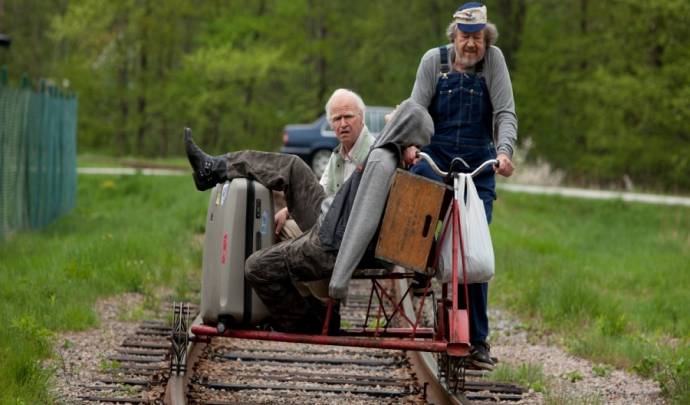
<point x="314" y="142"/>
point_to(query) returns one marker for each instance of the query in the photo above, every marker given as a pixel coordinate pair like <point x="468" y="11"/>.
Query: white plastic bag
<point x="479" y="251"/>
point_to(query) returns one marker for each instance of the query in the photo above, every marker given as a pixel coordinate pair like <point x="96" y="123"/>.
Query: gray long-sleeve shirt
<point x="497" y="80"/>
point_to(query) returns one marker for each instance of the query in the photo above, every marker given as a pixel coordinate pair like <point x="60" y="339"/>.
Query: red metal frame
<point x="383" y="343"/>
<point x="459" y="339"/>
<point x="451" y="334"/>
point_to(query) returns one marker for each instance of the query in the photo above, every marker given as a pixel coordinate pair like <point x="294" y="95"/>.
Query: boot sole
<point x="482" y="365"/>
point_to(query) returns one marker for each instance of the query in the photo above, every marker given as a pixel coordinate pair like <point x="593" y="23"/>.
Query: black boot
<point x="480" y="356"/>
<point x="208" y="170"/>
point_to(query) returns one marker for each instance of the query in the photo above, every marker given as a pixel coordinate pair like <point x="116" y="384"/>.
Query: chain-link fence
<point x="38" y="148"/>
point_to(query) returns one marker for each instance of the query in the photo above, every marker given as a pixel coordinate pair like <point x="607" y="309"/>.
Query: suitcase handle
<point x="427" y="226"/>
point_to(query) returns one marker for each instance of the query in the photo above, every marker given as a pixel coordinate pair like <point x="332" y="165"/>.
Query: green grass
<point x="526" y="375"/>
<point x="97" y="160"/>
<point x="612" y="279"/>
<point x="531" y="376"/>
<point x="130" y="233"/>
<point x="563" y="398"/>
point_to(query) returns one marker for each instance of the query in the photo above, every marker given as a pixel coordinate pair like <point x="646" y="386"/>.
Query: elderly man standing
<point x="466" y="87"/>
<point x="345" y="111"/>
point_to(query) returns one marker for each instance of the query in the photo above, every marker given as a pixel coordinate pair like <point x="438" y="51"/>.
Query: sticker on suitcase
<point x="224" y="250"/>
<point x="224" y="193"/>
<point x="264" y="223"/>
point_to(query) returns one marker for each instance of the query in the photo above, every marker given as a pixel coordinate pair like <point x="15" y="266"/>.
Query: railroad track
<point x="231" y="371"/>
<point x="138" y="372"/>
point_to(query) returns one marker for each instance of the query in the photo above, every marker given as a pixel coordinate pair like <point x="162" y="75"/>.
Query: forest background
<point x="602" y="88"/>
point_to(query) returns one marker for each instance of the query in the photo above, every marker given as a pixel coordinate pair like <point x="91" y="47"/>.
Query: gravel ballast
<point x="570" y="378"/>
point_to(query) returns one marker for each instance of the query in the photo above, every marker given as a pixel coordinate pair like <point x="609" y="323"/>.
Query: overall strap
<point x="479" y="68"/>
<point x="445" y="66"/>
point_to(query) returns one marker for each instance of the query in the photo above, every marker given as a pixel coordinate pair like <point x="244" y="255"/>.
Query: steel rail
<point x="176" y="389"/>
<point x="425" y="365"/>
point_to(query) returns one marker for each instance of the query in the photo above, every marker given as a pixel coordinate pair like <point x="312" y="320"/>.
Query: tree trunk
<point x="123" y="80"/>
<point x="143" y="80"/>
<point x="141" y="102"/>
<point x="251" y="83"/>
<point x="583" y="30"/>
<point x="435" y="16"/>
<point x="320" y="33"/>
<point x="322" y="69"/>
<point x="513" y="20"/>
<point x="163" y="141"/>
<point x="656" y="52"/>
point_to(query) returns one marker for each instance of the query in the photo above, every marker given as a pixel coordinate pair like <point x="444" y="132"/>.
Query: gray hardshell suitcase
<point x="239" y="222"/>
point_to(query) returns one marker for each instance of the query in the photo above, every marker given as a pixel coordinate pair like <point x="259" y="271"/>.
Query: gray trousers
<point x="271" y="271"/>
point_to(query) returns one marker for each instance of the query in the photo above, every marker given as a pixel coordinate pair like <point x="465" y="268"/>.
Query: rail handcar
<point x="392" y="320"/>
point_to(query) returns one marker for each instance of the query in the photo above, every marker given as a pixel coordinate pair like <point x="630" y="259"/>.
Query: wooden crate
<point x="407" y="230"/>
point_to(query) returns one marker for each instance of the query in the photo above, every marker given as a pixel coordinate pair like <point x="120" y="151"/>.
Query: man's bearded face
<point x="469" y="47"/>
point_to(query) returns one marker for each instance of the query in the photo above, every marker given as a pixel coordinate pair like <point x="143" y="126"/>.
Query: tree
<point x="602" y="90"/>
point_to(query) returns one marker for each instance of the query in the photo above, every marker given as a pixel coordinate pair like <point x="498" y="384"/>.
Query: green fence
<point x="38" y="148"/>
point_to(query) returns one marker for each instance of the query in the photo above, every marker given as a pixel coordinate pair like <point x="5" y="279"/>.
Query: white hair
<point x="341" y="92"/>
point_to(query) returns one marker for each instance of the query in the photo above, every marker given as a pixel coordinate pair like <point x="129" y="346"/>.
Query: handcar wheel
<point x="451" y="372"/>
<point x="455" y="373"/>
<point x="450" y="369"/>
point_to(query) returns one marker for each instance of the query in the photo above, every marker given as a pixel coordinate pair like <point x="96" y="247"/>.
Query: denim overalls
<point x="463" y="121"/>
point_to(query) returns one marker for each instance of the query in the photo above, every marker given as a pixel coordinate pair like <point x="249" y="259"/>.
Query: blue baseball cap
<point x="470" y="17"/>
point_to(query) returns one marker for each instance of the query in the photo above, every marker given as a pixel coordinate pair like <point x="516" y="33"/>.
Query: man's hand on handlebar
<point x="505" y="165"/>
<point x="410" y="156"/>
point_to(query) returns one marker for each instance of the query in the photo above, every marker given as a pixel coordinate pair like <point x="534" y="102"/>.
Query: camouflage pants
<point x="272" y="271"/>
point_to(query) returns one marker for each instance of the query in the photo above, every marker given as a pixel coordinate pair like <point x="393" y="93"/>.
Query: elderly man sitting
<point x="345" y="112"/>
<point x="337" y="239"/>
